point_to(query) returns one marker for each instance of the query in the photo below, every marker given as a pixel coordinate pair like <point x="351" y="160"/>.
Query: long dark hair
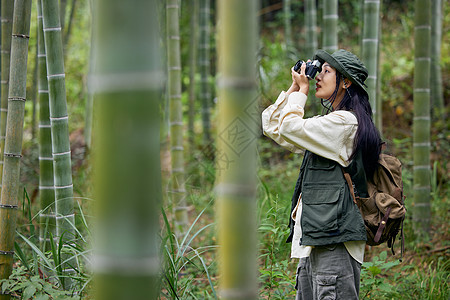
<point x="367" y="137"/>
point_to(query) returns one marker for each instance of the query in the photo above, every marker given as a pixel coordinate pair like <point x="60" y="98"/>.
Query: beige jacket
<point x="330" y="136"/>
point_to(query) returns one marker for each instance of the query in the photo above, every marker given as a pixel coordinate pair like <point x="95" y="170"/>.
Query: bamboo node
<point x="236" y="82"/>
<point x="43" y="187"/>
<point x="12" y="155"/>
<point x="52" y="29"/>
<point x="45" y="158"/>
<point x="238" y="294"/>
<point x="17" y="99"/>
<point x="7" y="206"/>
<point x="24" y="36"/>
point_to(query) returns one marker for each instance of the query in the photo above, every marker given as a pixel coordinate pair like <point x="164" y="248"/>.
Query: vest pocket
<point x="321" y="210"/>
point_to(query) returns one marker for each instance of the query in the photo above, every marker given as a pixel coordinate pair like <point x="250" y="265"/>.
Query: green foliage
<point x="40" y="274"/>
<point x="183" y="263"/>
<point x="24" y="285"/>
<point x="384" y="278"/>
<point x="373" y="281"/>
<point x="277" y="273"/>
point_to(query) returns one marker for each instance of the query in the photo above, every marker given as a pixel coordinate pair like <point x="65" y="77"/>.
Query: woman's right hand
<point x="300" y="80"/>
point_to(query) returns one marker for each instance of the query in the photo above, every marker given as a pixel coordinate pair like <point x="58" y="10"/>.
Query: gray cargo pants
<point x="329" y="273"/>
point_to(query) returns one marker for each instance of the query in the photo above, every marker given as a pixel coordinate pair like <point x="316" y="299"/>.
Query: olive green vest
<point x="329" y="215"/>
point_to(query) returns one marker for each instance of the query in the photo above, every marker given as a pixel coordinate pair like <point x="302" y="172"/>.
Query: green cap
<point x="347" y="63"/>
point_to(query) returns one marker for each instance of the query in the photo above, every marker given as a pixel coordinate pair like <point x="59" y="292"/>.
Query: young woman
<point x="327" y="230"/>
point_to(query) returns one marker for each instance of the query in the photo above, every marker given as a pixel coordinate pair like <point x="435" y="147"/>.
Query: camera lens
<point x="298" y="65"/>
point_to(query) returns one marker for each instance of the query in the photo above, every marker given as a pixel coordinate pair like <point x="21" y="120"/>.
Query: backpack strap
<point x="348" y="178"/>
<point x="381" y="227"/>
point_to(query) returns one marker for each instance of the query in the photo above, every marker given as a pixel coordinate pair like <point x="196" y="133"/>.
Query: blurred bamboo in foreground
<point x="236" y="149"/>
<point x="127" y="86"/>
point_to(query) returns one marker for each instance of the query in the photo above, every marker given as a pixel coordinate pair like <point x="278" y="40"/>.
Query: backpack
<point x="383" y="211"/>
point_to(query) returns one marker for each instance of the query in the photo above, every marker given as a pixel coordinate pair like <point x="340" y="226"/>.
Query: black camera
<point x="312" y="68"/>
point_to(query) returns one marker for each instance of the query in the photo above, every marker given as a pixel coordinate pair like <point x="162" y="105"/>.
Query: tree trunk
<point x="65" y="217"/>
<point x="9" y="203"/>
<point x="205" y="89"/>
<point x="127" y="85"/>
<point x="236" y="165"/>
<point x="47" y="216"/>
<point x="177" y="192"/>
<point x="370" y="46"/>
<point x="330" y="25"/>
<point x="7" y="20"/>
<point x="421" y="127"/>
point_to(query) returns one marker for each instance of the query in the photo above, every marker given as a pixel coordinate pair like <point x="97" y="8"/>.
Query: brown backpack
<point x="384" y="210"/>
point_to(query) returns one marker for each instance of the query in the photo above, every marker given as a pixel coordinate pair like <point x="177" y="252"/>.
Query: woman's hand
<point x="300" y="80"/>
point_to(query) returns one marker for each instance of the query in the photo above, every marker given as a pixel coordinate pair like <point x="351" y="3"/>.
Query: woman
<point x="327" y="230"/>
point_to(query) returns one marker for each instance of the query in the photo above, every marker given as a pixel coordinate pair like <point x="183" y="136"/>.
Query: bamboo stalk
<point x="127" y="89"/>
<point x="47" y="218"/>
<point x="437" y="94"/>
<point x="421" y="125"/>
<point x="236" y="142"/>
<point x="59" y="120"/>
<point x="9" y="203"/>
<point x="330" y="22"/>
<point x="192" y="70"/>
<point x="311" y="46"/>
<point x="287" y="24"/>
<point x="178" y="191"/>
<point x="7" y="20"/>
<point x="370" y="46"/>
<point x="205" y="68"/>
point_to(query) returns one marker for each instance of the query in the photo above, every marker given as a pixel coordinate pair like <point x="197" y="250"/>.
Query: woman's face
<point x="326" y="84"/>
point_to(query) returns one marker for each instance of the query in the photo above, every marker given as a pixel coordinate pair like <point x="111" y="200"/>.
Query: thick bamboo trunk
<point x="236" y="142"/>
<point x="330" y="25"/>
<point x="47" y="216"/>
<point x="370" y="47"/>
<point x="7" y="20"/>
<point x="205" y="68"/>
<point x="178" y="191"/>
<point x="311" y="27"/>
<point x="9" y="203"/>
<point x="437" y="95"/>
<point x="59" y="119"/>
<point x="127" y="85"/>
<point x="421" y="127"/>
